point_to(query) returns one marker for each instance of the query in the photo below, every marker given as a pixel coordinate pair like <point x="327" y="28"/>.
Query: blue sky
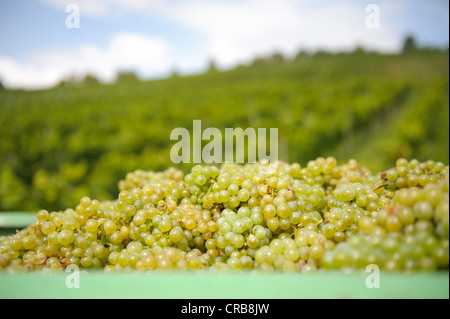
<point x="154" y="37"/>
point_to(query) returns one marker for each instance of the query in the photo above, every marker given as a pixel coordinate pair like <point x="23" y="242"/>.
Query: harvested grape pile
<point x="322" y="216"/>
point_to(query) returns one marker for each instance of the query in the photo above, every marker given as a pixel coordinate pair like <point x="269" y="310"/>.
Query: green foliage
<point x="60" y="144"/>
<point x="126" y="76"/>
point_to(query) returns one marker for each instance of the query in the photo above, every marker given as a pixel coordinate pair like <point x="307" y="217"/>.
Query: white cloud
<point x="236" y="31"/>
<point x="233" y="31"/>
<point x="126" y="51"/>
<point x="104" y="7"/>
<point x="93" y="8"/>
<point x="239" y="30"/>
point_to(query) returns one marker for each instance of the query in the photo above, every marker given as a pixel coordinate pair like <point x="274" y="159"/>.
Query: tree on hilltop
<point x="409" y="44"/>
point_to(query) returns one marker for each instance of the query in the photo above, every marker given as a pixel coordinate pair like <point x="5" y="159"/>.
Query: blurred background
<point x="90" y="90"/>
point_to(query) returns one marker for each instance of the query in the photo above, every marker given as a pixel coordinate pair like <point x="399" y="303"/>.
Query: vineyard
<point x="60" y="144"/>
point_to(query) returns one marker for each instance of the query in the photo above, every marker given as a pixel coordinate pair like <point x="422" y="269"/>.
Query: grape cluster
<point x="322" y="216"/>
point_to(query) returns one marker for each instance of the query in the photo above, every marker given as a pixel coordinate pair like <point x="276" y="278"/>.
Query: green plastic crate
<point x="12" y="221"/>
<point x="211" y="285"/>
<point x="199" y="285"/>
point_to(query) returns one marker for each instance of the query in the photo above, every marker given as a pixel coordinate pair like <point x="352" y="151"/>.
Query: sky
<point x="45" y="41"/>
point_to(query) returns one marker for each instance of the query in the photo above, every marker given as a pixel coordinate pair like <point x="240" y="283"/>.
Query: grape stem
<point x="383" y="185"/>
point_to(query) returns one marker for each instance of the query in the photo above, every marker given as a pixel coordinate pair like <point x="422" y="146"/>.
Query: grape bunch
<point x="235" y="218"/>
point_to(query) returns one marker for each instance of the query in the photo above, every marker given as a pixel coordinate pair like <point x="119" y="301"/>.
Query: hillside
<point x="60" y="144"/>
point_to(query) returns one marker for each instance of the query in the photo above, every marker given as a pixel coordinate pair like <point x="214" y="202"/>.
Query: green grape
<point x="235" y="218"/>
<point x="48" y="227"/>
<point x="405" y="215"/>
<point x="269" y="211"/>
<point x="233" y="202"/>
<point x="243" y="195"/>
<point x="328" y="230"/>
<point x="223" y="181"/>
<point x="316" y="251"/>
<point x="109" y="227"/>
<point x="199" y="180"/>
<point x="16" y="243"/>
<point x="239" y="226"/>
<point x="80" y="242"/>
<point x="423" y="210"/>
<point x="42" y="215"/>
<point x="65" y="237"/>
<point x="165" y="225"/>
<point x="223" y="196"/>
<point x="391" y="175"/>
<point x="99" y="251"/>
<point x="273" y="223"/>
<point x="85" y="201"/>
<point x="69" y="224"/>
